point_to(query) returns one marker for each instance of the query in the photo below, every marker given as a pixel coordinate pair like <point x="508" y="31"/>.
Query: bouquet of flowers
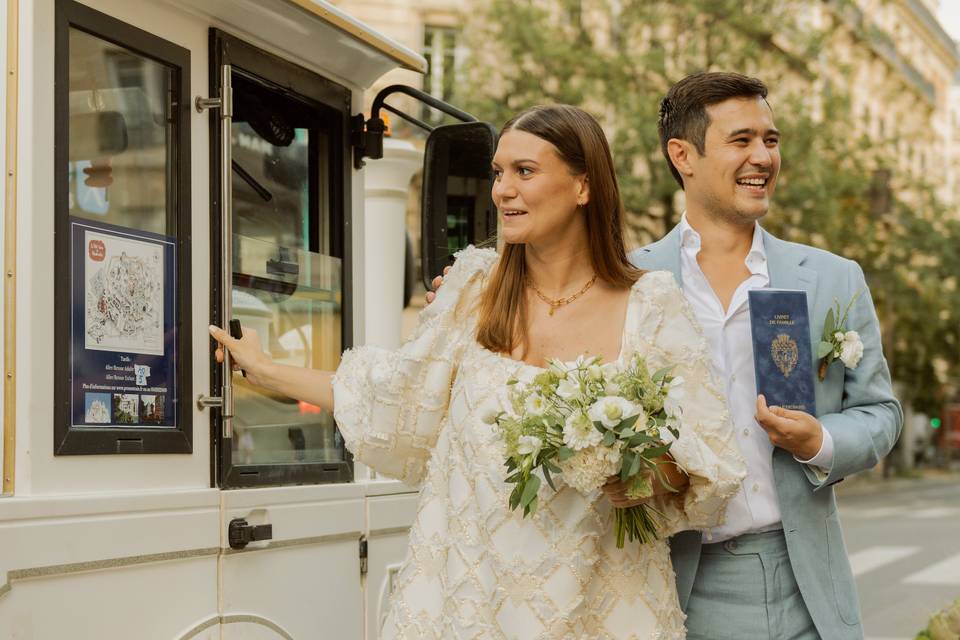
<point x="587" y="421"/>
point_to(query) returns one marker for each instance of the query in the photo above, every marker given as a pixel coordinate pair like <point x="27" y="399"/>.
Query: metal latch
<point x="363" y="555"/>
<point x="240" y="533"/>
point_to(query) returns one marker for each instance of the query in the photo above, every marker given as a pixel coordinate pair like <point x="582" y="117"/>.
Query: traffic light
<point x="935" y="423"/>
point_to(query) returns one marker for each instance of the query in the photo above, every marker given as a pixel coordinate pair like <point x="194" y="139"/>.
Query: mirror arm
<point x="423" y="97"/>
<point x="410" y="119"/>
<point x="367" y="137"/>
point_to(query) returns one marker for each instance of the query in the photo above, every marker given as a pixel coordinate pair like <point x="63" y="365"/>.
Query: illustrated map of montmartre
<point x="124" y="294"/>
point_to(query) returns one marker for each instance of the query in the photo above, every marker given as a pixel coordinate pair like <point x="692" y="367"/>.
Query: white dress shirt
<point x="755" y="507"/>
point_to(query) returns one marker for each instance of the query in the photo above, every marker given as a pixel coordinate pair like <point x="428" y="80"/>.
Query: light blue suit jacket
<point x="856" y="406"/>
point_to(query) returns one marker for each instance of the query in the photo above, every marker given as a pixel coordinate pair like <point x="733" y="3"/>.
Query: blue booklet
<point x="782" y="351"/>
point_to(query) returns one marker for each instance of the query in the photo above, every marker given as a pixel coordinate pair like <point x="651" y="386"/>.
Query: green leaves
<point x="662" y="373"/>
<point x="530" y="491"/>
<point x="824" y="348"/>
<point x="829" y="326"/>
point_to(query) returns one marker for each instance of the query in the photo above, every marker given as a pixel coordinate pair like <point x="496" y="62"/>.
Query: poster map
<point x="124" y="294"/>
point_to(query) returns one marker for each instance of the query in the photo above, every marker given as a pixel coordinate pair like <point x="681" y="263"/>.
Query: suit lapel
<point x="663" y="254"/>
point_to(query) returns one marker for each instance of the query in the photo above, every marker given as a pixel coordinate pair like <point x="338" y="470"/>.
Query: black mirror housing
<point x="456" y="206"/>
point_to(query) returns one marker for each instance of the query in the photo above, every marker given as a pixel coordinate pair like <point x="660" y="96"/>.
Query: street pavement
<point x="903" y="537"/>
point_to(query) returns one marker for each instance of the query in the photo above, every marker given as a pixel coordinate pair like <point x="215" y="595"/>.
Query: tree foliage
<point x="617" y="58"/>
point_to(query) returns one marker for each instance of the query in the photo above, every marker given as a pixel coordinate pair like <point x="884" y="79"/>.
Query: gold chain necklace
<point x="560" y="302"/>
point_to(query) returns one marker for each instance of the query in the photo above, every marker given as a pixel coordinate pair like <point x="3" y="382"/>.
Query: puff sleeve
<point x="668" y="334"/>
<point x="390" y="404"/>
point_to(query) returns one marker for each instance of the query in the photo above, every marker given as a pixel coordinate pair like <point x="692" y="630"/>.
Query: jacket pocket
<point x="844" y="588"/>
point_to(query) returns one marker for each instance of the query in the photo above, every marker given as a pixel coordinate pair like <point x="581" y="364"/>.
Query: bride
<point x="560" y="288"/>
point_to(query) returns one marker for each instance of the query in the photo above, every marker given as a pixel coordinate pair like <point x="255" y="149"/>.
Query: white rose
<point x="851" y="351"/>
<point x="611" y="410"/>
<point x="579" y="432"/>
<point x="529" y="445"/>
<point x="536" y="404"/>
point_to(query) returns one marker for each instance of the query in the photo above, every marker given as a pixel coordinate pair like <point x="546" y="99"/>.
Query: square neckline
<point x="632" y="300"/>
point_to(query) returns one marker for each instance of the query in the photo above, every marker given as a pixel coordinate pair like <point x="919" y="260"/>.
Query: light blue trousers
<point x="745" y="590"/>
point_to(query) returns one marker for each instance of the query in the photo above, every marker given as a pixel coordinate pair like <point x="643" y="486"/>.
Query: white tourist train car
<point x="170" y="164"/>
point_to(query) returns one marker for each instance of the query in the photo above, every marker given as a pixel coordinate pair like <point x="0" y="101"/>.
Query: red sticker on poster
<point x="97" y="250"/>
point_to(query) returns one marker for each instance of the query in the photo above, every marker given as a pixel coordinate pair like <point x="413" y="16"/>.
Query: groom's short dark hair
<point x="683" y="111"/>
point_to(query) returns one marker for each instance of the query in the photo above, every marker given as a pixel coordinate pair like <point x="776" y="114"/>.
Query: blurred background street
<point x="902" y="538"/>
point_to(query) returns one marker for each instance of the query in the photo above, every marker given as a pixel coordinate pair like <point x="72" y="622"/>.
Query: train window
<point x="122" y="238"/>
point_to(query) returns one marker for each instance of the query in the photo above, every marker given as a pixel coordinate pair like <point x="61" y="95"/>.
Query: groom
<point x="777" y="567"/>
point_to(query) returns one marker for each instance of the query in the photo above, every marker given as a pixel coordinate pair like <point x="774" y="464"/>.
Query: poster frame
<point x="69" y="440"/>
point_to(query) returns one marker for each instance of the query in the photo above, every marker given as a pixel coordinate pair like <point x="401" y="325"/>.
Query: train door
<point x="291" y="516"/>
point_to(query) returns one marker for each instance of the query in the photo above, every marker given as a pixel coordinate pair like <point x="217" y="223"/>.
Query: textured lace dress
<point x="474" y="569"/>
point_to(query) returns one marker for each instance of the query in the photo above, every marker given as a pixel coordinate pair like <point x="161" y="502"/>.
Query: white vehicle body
<point x="136" y="545"/>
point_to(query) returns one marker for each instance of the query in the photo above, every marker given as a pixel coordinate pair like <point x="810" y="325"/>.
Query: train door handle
<point x="240" y="533"/>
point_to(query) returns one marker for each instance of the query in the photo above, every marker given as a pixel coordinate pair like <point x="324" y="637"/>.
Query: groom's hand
<point x="799" y="433"/>
<point x="616" y="490"/>
<point x="436" y="283"/>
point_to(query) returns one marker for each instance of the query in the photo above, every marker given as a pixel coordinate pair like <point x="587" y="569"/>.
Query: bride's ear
<point x="583" y="193"/>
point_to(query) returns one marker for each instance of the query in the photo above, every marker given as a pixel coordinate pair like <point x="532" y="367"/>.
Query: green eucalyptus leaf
<point x="627" y="464"/>
<point x="656" y="452"/>
<point x="546" y="476"/>
<point x="565" y="453"/>
<point x="515" y="496"/>
<point x="661" y="373"/>
<point x="830" y="325"/>
<point x="629" y="422"/>
<point x="608" y="438"/>
<point x="530" y="491"/>
<point x="635" y="465"/>
<point x="639" y="439"/>
<point x="552" y="467"/>
<point x="823" y="349"/>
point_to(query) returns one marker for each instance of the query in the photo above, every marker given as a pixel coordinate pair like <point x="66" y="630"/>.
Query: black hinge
<point x="366" y="138"/>
<point x="363" y="555"/>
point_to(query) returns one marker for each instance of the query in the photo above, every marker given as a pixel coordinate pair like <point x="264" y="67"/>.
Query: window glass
<point x="286" y="283"/>
<point x="120" y="131"/>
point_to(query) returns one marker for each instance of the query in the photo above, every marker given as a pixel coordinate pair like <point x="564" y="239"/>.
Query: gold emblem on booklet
<point x="785" y="353"/>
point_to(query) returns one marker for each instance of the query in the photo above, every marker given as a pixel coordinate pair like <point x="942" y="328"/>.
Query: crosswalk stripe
<point x="945" y="572"/>
<point x="876" y="512"/>
<point x="935" y="512"/>
<point x="874" y="557"/>
<point x="930" y="513"/>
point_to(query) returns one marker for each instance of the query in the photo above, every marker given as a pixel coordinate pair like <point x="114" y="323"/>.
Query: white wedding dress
<point x="474" y="569"/>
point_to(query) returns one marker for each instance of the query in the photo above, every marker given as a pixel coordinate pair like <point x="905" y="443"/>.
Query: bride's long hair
<point x="582" y="145"/>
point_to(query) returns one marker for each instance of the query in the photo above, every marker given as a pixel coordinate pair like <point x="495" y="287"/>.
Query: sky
<point x="949" y="15"/>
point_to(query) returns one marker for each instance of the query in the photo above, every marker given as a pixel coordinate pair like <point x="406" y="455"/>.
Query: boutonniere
<point x="837" y="342"/>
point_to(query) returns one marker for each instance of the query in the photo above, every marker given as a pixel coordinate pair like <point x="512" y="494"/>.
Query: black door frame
<point x="335" y="100"/>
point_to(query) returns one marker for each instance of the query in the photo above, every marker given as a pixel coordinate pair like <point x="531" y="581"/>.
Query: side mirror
<point x="456" y="206"/>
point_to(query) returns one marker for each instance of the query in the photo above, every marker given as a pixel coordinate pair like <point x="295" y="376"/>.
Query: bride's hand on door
<point x="245" y="354"/>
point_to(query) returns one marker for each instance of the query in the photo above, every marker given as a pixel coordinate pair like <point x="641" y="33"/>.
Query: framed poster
<point x="121" y="244"/>
<point x="123" y="332"/>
